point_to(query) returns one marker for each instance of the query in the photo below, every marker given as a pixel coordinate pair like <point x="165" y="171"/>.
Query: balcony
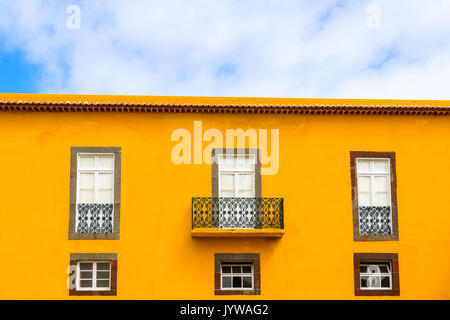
<point x="94" y="218"/>
<point x="375" y="221"/>
<point x="237" y="217"/>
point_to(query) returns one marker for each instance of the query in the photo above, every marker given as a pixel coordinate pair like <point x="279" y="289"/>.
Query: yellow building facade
<point x="168" y="246"/>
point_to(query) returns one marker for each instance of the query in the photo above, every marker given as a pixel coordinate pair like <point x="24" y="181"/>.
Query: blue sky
<point x="331" y="48"/>
<point x="17" y="75"/>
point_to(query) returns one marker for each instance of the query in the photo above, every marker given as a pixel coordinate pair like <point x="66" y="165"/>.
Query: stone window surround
<point x="220" y="258"/>
<point x="394" y="210"/>
<point x="115" y="235"/>
<point x="109" y="257"/>
<point x="215" y="167"/>
<point x="359" y="258"/>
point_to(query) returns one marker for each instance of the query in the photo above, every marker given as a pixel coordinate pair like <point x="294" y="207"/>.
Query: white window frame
<point x="372" y="174"/>
<point x="94" y="276"/>
<point x="376" y="275"/>
<point x="96" y="170"/>
<point x="242" y="275"/>
<point x="236" y="172"/>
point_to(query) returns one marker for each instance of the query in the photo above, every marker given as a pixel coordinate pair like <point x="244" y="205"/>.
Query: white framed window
<point x="375" y="275"/>
<point x="93" y="275"/>
<point x="95" y="176"/>
<point x="236" y="276"/>
<point x="236" y="175"/>
<point x="373" y="180"/>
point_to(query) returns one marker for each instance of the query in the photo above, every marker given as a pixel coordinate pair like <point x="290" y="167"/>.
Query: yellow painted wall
<point x="158" y="258"/>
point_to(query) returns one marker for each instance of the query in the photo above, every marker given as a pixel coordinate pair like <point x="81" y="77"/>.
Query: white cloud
<point x="236" y="48"/>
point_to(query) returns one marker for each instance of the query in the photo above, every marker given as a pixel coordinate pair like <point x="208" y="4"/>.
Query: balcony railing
<point x="375" y="220"/>
<point x="237" y="213"/>
<point x="94" y="218"/>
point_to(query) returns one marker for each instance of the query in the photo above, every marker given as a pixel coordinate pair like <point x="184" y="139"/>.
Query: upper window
<point x="96" y="178"/>
<point x="95" y="193"/>
<point x="237" y="175"/>
<point x="373" y="183"/>
<point x="376" y="274"/>
<point x="374" y="196"/>
<point x="236" y="182"/>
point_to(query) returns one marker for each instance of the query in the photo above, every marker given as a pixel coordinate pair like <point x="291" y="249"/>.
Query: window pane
<point x="380" y="184"/>
<point x="380" y="165"/>
<point x="364" y="281"/>
<point x="105" y="196"/>
<point x="102" y="283"/>
<point x="374" y="281"/>
<point x="363" y="269"/>
<point x="385" y="282"/>
<point x="245" y="181"/>
<point x="105" y="180"/>
<point x="102" y="274"/>
<point x="384" y="269"/>
<point x="364" y="199"/>
<point x="237" y="282"/>
<point x="86" y="195"/>
<point x="86" y="161"/>
<point x="371" y="281"/>
<point x="381" y="199"/>
<point x="226" y="282"/>
<point x="85" y="283"/>
<point x="227" y="163"/>
<point x="247" y="282"/>
<point x="236" y="269"/>
<point x="363" y="184"/>
<point x="246" y="193"/>
<point x="246" y="269"/>
<point x="226" y="269"/>
<point x="106" y="162"/>
<point x="85" y="265"/>
<point x="373" y="269"/>
<point x="227" y="194"/>
<point x="363" y="165"/>
<point x="227" y="181"/>
<point x="103" y="266"/>
<point x="246" y="163"/>
<point x="86" y="180"/>
<point x="85" y="274"/>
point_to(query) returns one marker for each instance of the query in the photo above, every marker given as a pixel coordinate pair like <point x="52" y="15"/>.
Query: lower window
<point x="93" y="274"/>
<point x="237" y="274"/>
<point x="376" y="274"/>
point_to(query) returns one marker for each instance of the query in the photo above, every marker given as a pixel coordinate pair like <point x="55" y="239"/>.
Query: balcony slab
<point x="238" y="233"/>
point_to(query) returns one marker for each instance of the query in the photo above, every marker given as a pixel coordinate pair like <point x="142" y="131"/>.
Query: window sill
<point x="218" y="292"/>
<point x="388" y="292"/>
<point x="240" y="233"/>
<point x="112" y="292"/>
<point x="93" y="236"/>
<point x="387" y="237"/>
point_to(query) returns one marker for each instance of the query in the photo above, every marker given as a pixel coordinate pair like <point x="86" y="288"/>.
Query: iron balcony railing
<point x="94" y="218"/>
<point x="237" y="213"/>
<point x="375" y="220"/>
